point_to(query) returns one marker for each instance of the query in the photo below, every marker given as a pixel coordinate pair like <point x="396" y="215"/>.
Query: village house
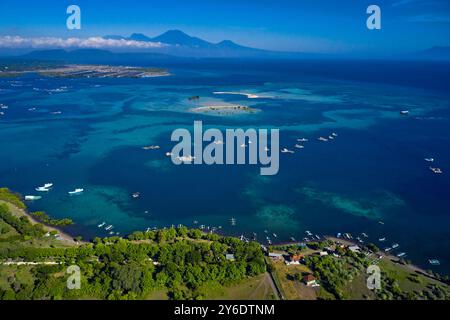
<point x="276" y="256"/>
<point x="294" y="259"/>
<point x="229" y="257"/>
<point x="310" y="280"/>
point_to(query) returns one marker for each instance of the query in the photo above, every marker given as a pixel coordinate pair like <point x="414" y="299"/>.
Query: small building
<point x="275" y="256"/>
<point x="294" y="259"/>
<point x="323" y="253"/>
<point x="230" y="256"/>
<point x="354" y="248"/>
<point x="310" y="280"/>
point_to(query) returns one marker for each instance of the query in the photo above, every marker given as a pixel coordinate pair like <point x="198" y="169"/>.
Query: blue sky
<point x="317" y="26"/>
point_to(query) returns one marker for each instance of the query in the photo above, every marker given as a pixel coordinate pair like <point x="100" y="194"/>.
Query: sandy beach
<point x="66" y="238"/>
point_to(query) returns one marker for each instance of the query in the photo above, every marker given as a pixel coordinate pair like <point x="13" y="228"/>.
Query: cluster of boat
<point x="330" y="137"/>
<point x="392" y="247"/>
<point x="46" y="188"/>
<point x="3" y="107"/>
<point x="435" y="170"/>
<point x="108" y="228"/>
<point x="300" y="145"/>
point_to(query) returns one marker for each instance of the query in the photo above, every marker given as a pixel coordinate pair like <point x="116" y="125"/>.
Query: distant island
<point x="224" y="109"/>
<point x="80" y="71"/>
<point x="181" y="263"/>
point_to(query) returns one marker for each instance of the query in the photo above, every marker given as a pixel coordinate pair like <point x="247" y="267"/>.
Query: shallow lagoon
<point x="373" y="171"/>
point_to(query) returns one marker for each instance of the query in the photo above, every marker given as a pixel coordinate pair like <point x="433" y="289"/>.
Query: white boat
<point x="429" y="159"/>
<point x="322" y="139"/>
<point x="302" y="140"/>
<point x="285" y="150"/>
<point x="334" y="134"/>
<point x="364" y="235"/>
<point x="274" y="235"/>
<point x="434" y="262"/>
<point x="395" y="245"/>
<point x="404" y="112"/>
<point x="150" y="147"/>
<point x="186" y="159"/>
<point x="45" y="188"/>
<point x="401" y="254"/>
<point x="308" y="233"/>
<point x="76" y="191"/>
<point x="387" y="249"/>
<point x="101" y="224"/>
<point x="299" y="146"/>
<point x="32" y="198"/>
<point x="109" y="227"/>
<point x="382" y="239"/>
<point x="436" y="170"/>
<point x="42" y="189"/>
<point x="292" y="238"/>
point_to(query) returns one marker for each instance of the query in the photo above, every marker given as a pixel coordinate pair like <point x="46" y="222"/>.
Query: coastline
<point x="389" y="256"/>
<point x="65" y="237"/>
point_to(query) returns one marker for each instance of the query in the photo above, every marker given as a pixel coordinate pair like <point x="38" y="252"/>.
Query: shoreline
<point x="389" y="256"/>
<point x="413" y="267"/>
<point x="65" y="236"/>
<point x="69" y="239"/>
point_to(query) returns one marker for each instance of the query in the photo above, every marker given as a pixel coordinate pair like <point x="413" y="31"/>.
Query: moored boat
<point x="32" y="198"/>
<point x="76" y="191"/>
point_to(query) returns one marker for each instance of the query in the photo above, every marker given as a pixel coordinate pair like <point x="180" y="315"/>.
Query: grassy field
<point x="256" y="288"/>
<point x="158" y="295"/>
<point x="291" y="288"/>
<point x="21" y="274"/>
<point x="6" y="231"/>
<point x="357" y="289"/>
<point x="407" y="279"/>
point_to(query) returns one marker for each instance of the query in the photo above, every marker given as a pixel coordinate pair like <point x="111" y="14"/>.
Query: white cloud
<point x="92" y="42"/>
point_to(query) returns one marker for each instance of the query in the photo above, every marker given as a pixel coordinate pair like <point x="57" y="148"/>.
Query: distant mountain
<point x="178" y="43"/>
<point x="177" y="37"/>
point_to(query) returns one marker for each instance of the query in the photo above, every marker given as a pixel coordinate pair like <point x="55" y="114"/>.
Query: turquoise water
<point x="373" y="171"/>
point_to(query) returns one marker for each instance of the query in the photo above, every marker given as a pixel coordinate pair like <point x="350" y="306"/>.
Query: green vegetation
<point x="182" y="263"/>
<point x="342" y="274"/>
<point x="42" y="216"/>
<point x="13" y="198"/>
<point x="23" y="225"/>
<point x="335" y="273"/>
<point x="115" y="268"/>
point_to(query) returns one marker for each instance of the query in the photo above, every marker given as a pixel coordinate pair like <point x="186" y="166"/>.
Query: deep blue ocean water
<point x="373" y="171"/>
